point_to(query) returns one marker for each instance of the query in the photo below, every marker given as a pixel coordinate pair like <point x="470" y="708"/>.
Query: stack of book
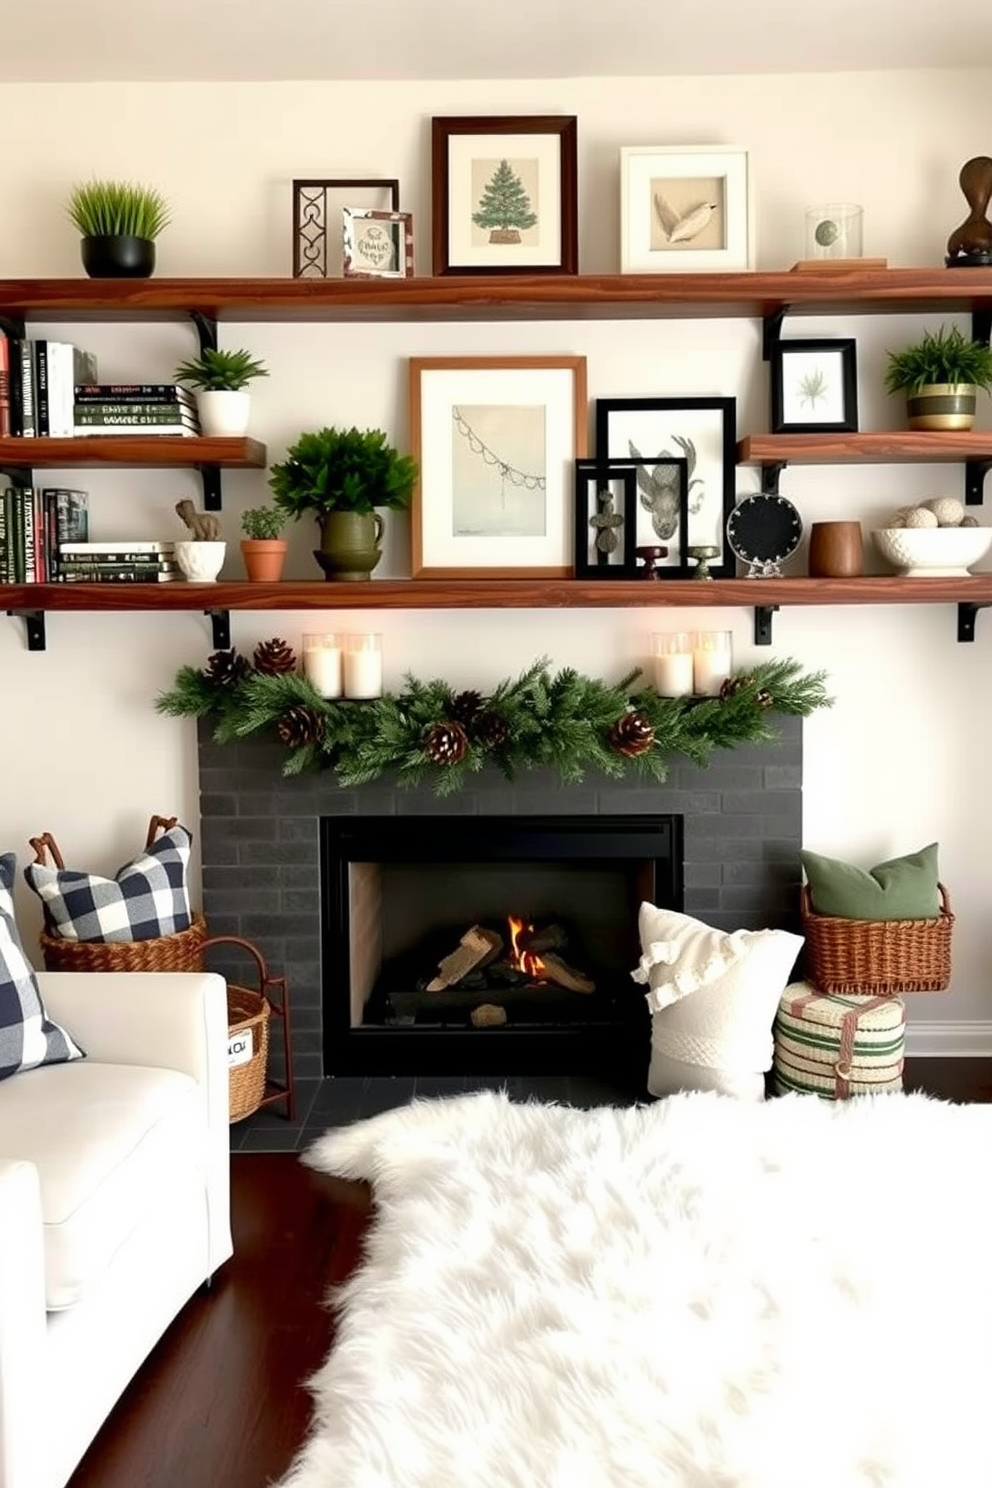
<point x="129" y="561"/>
<point x="37" y="385"/>
<point x="135" y="408"/>
<point x="33" y="525"/>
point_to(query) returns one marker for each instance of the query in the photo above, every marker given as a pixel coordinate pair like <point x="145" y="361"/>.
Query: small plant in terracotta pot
<point x="263" y="547"/>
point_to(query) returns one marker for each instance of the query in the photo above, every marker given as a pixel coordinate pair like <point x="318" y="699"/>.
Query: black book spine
<point x="39" y="350"/>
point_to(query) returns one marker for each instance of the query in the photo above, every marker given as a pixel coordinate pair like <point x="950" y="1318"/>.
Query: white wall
<point x="898" y="762"/>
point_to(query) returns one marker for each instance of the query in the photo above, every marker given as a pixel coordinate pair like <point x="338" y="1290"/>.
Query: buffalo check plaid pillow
<point x="28" y="1037"/>
<point x="146" y="898"/>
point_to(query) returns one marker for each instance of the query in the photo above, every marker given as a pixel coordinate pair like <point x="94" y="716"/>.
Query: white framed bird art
<point x="684" y="209"/>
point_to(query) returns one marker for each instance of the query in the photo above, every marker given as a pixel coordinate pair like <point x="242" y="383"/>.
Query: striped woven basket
<point x="837" y="1045"/>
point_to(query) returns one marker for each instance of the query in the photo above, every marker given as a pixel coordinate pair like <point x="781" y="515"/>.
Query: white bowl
<point x="200" y="562"/>
<point x="933" y="552"/>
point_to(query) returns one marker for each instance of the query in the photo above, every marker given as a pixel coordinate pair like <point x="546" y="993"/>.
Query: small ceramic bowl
<point x="933" y="552"/>
<point x="200" y="562"/>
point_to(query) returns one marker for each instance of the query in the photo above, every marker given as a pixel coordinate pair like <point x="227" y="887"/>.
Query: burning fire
<point x="524" y="961"/>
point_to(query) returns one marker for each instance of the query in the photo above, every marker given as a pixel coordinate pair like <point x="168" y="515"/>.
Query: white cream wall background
<point x="901" y="758"/>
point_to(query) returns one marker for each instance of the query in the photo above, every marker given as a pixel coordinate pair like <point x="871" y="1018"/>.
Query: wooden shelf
<point x="880" y="447"/>
<point x="503" y="297"/>
<point x="153" y="450"/>
<point x="496" y="594"/>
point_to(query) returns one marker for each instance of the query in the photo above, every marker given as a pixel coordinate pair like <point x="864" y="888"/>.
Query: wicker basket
<point x="884" y="958"/>
<point x="248" y="1015"/>
<point x="182" y="951"/>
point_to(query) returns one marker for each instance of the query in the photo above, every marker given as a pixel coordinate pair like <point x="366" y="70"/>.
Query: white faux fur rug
<point x="701" y="1293"/>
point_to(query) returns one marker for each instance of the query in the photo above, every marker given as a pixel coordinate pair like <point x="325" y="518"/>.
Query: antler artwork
<point x="204" y="528"/>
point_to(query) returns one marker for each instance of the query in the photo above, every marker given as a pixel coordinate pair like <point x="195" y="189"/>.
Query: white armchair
<point x="114" y="1203"/>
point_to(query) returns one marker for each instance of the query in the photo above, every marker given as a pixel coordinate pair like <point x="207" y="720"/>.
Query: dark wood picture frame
<point x="648" y="432"/>
<point x="615" y="557"/>
<point x="807" y="372"/>
<point x="311" y="228"/>
<point x="453" y="193"/>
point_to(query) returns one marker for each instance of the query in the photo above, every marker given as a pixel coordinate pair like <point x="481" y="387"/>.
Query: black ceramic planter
<point x="118" y="257"/>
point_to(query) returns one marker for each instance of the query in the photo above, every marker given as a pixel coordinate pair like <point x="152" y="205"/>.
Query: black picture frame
<point x="702" y="431"/>
<point x="596" y="482"/>
<point x="317" y="225"/>
<point x="809" y="372"/>
<point x="547" y="144"/>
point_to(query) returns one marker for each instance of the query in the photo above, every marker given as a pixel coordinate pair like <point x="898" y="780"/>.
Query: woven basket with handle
<point x="248" y="1015"/>
<point x="182" y="951"/>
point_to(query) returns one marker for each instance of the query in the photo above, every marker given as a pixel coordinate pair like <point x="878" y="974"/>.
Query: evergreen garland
<point x="558" y="719"/>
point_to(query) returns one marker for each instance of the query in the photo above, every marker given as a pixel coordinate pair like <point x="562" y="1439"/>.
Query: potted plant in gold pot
<point x="263" y="547"/>
<point x="941" y="375"/>
<point x="342" y="477"/>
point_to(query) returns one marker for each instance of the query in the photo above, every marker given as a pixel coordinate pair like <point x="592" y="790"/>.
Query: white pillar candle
<point x="673" y="663"/>
<point x="712" y="662"/>
<point x="363" y="667"/>
<point x="322" y="664"/>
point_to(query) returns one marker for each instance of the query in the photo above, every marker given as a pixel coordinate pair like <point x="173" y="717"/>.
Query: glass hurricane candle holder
<point x="672" y="651"/>
<point x="363" y="666"/>
<point x="712" y="661"/>
<point x="322" y="663"/>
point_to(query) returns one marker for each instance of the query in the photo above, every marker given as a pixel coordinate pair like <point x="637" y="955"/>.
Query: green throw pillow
<point x="901" y="889"/>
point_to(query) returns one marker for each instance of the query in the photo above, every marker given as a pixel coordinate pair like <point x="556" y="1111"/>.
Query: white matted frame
<point x="684" y="209"/>
<point x="495" y="440"/>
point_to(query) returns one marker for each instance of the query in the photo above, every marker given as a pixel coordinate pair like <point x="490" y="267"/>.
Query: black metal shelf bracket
<point x="771" y="331"/>
<point x="210" y="476"/>
<point x="220" y="622"/>
<point x="770" y="474"/>
<point x="975" y="472"/>
<point x="967" y="613"/>
<point x="981" y="326"/>
<point x="13" y="327"/>
<point x="206" y="330"/>
<point x="763" y="623"/>
<point x="34" y="626"/>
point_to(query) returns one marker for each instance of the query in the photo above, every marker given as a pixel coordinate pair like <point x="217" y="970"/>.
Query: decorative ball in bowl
<point x="933" y="552"/>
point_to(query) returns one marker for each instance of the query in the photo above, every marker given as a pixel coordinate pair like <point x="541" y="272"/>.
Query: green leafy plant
<point x="944" y="356"/>
<point x="342" y="470"/>
<point x="110" y="209"/>
<point x="220" y="371"/>
<point x="262" y="523"/>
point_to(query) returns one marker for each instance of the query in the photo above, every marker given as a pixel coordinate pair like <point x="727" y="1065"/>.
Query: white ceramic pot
<point x="223" y="414"/>
<point x="200" y="562"/>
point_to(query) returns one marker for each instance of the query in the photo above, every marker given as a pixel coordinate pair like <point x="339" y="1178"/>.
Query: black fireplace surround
<point x="281" y="859"/>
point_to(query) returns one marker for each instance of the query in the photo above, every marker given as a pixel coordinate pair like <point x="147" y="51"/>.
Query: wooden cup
<point x="836" y="550"/>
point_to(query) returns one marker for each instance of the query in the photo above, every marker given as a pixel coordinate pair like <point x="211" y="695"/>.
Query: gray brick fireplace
<point x="741" y="830"/>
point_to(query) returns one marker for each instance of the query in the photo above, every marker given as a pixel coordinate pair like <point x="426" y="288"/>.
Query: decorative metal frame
<point x="395" y="230"/>
<point x="472" y="419"/>
<point x="794" y="364"/>
<point x="651" y="221"/>
<point x="464" y="152"/>
<point x="650" y="431"/>
<point x="313" y="251"/>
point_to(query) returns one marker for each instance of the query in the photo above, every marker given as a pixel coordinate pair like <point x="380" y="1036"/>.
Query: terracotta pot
<point x="836" y="550"/>
<point x="264" y="558"/>
<point x="349" y="544"/>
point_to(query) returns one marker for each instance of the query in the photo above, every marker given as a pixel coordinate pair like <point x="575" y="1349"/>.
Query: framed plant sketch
<point x="495" y="440"/>
<point x="504" y="195"/>
<point x="814" y="387"/>
<point x="377" y="245"/>
<point x="684" y="209"/>
<point x="655" y="433"/>
<point x="630" y="520"/>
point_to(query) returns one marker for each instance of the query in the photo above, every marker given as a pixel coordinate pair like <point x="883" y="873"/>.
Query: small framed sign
<point x="814" y="387"/>
<point x="377" y="245"/>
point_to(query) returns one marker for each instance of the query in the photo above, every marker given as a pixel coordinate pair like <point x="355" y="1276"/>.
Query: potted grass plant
<point x="940" y="376"/>
<point x="263" y="547"/>
<point x="119" y="222"/>
<point x="341" y="477"/>
<point x="220" y="380"/>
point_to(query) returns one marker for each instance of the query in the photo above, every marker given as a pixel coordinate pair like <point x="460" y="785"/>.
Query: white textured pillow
<point x="713" y="999"/>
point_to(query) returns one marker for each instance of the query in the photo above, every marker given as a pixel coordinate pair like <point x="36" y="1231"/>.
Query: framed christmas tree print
<point x="504" y="195"/>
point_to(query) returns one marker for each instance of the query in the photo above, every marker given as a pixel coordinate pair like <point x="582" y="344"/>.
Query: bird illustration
<point x="659" y="484"/>
<point x="682" y="229"/>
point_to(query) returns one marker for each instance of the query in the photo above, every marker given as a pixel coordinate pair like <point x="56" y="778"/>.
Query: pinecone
<point x="491" y="730"/>
<point x="300" y="725"/>
<point x="465" y="706"/>
<point x="632" y="734"/>
<point x="446" y="743"/>
<point x="274" y="658"/>
<point x="762" y="697"/>
<point x="226" y="668"/>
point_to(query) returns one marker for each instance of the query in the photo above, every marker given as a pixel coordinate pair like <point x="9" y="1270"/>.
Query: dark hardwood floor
<point x="222" y="1401"/>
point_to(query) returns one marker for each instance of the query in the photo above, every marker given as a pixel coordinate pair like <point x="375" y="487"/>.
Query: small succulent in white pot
<point x="220" y="380"/>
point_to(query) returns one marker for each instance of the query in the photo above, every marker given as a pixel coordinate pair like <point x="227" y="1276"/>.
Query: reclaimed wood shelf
<point x="504" y="297"/>
<point x="151" y="450"/>
<point x="877" y="447"/>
